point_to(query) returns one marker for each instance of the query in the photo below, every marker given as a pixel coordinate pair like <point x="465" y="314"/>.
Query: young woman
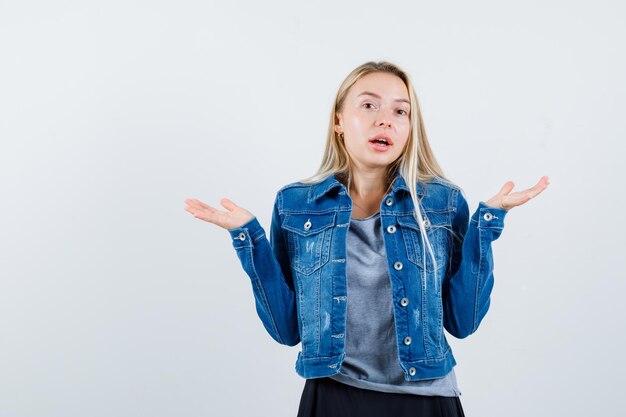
<point x="370" y="259"/>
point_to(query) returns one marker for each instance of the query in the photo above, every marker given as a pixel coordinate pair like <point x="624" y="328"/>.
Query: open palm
<point x="507" y="200"/>
<point x="235" y="216"/>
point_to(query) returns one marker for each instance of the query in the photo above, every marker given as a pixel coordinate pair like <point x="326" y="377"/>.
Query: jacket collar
<point x="331" y="182"/>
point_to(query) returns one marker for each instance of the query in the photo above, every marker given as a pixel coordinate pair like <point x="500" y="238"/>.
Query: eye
<point x="368" y="104"/>
<point x="403" y="112"/>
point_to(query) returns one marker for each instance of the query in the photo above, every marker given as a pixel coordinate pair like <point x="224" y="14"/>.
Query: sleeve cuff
<point x="247" y="233"/>
<point x="489" y="217"/>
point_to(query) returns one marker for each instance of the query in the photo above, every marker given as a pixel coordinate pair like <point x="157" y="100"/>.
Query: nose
<point x="384" y="118"/>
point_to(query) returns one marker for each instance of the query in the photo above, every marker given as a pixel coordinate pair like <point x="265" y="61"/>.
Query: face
<point x="376" y="105"/>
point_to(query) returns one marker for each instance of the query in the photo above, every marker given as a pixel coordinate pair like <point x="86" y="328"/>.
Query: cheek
<point x="357" y="122"/>
<point x="403" y="138"/>
<point x="352" y="147"/>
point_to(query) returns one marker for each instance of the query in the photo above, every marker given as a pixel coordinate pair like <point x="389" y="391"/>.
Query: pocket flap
<point x="308" y="224"/>
<point x="435" y="220"/>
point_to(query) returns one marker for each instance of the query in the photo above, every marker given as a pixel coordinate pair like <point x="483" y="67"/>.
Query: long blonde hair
<point x="417" y="162"/>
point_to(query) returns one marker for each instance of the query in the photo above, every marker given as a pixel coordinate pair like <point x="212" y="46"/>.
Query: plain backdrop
<point x="115" y="301"/>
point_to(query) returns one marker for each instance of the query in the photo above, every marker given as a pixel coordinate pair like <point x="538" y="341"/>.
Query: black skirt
<point x="325" y="397"/>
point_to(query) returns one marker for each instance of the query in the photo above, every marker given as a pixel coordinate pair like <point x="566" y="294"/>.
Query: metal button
<point x="391" y="228"/>
<point x="389" y="201"/>
<point x="426" y="222"/>
<point x="407" y="340"/>
<point x="412" y="371"/>
<point x="398" y="265"/>
<point x="307" y="225"/>
<point x="404" y="302"/>
<point x="242" y="236"/>
<point x="488" y="216"/>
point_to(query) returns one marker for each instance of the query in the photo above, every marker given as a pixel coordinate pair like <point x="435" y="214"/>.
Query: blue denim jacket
<point x="299" y="276"/>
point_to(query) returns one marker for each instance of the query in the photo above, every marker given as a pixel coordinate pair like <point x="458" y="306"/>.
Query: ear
<point x="338" y="122"/>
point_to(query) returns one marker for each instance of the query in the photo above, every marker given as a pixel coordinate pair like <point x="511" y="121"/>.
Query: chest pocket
<point x="438" y="226"/>
<point x="308" y="237"/>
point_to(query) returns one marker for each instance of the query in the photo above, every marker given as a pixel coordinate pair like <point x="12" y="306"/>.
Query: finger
<point x="543" y="178"/>
<point x="542" y="184"/>
<point x="538" y="188"/>
<point x="203" y="208"/>
<point x="199" y="208"/>
<point x="506" y="188"/>
<point x="210" y="215"/>
<point x="197" y="203"/>
<point x="514" y="201"/>
<point x="228" y="204"/>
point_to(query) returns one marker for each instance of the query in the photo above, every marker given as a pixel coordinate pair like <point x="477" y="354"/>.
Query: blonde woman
<point x="371" y="258"/>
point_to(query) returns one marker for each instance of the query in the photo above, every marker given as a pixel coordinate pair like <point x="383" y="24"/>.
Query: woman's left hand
<point x="507" y="201"/>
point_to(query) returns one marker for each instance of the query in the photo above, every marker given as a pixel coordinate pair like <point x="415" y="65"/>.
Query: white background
<point x="115" y="301"/>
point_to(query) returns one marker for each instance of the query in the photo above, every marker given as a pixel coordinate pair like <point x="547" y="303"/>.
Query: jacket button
<point x="488" y="216"/>
<point x="398" y="265"/>
<point x="407" y="340"/>
<point x="404" y="302"/>
<point x="389" y="201"/>
<point x="391" y="228"/>
<point x="412" y="371"/>
<point x="426" y="222"/>
<point x="307" y="225"/>
<point x="242" y="236"/>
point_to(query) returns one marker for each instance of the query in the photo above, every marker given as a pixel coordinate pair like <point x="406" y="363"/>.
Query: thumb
<point x="506" y="188"/>
<point x="229" y="205"/>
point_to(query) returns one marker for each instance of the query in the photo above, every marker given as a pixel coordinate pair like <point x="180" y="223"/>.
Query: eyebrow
<point x="377" y="96"/>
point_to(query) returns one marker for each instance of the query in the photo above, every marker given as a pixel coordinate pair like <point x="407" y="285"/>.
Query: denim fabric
<point x="371" y="359"/>
<point x="299" y="276"/>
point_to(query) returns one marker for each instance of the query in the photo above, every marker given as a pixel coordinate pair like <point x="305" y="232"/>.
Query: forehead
<point x="385" y="85"/>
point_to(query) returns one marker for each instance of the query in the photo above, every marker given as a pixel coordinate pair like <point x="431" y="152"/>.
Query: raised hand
<point x="507" y="200"/>
<point x="235" y="216"/>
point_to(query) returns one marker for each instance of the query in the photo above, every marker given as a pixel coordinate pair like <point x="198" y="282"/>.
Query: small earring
<point x="341" y="135"/>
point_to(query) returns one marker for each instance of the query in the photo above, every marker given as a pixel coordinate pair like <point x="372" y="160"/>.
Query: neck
<point x="367" y="184"/>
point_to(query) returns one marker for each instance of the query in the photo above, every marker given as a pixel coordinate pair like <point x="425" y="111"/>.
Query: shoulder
<point x="295" y="190"/>
<point x="294" y="193"/>
<point x="444" y="183"/>
<point x="446" y="192"/>
<point x="295" y="187"/>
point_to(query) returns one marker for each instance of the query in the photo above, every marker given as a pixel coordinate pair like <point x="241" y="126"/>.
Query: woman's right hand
<point x="233" y="218"/>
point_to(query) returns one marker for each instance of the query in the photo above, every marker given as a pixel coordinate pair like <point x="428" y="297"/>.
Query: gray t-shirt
<point x="371" y="360"/>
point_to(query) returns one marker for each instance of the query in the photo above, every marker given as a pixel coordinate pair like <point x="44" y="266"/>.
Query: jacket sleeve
<point x="267" y="265"/>
<point x="467" y="285"/>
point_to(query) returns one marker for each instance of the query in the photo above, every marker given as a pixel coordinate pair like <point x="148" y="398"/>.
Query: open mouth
<point x="381" y="141"/>
<point x="380" y="144"/>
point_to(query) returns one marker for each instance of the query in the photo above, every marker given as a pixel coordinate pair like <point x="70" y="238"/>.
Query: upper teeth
<point x="382" y="139"/>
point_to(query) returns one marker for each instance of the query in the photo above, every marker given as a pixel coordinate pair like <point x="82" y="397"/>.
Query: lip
<point x="378" y="147"/>
<point x="381" y="136"/>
